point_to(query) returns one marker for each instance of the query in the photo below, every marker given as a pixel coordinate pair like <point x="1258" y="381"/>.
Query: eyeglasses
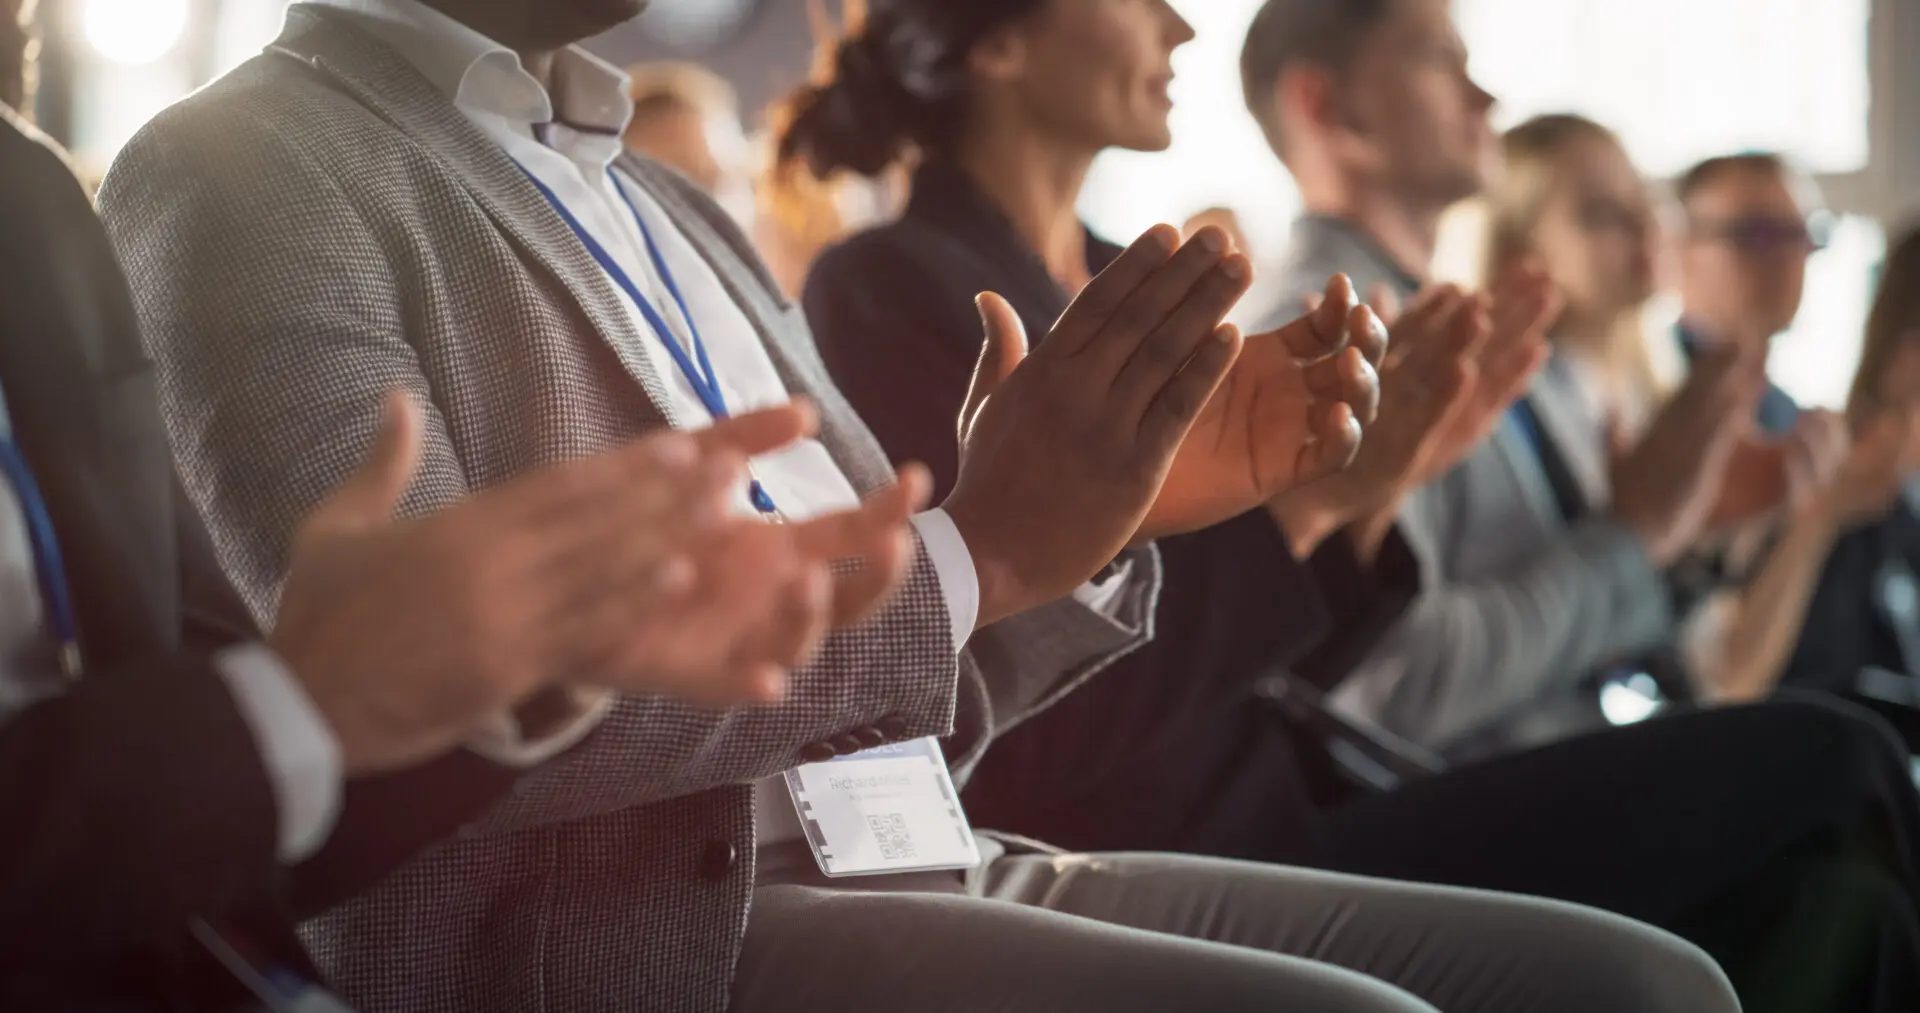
<point x="1765" y="234"/>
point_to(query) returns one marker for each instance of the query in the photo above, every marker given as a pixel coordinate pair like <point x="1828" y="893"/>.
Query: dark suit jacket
<point x="1862" y="612"/>
<point x="138" y="800"/>
<point x="1166" y="750"/>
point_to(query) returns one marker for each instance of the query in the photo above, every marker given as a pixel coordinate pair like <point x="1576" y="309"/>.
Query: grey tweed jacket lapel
<point x="389" y="86"/>
<point x="781" y="326"/>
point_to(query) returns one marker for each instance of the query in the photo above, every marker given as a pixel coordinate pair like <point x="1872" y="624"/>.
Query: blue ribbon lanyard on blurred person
<point x="697" y="367"/>
<point x="56" y="595"/>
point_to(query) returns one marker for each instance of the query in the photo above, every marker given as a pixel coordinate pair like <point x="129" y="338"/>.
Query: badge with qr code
<point x="887" y="809"/>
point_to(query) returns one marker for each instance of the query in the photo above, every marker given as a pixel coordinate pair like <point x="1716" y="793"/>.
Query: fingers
<point x="855" y="533"/>
<point x="800" y="620"/>
<point x="1413" y="332"/>
<point x="1004" y="348"/>
<point x="1171" y="415"/>
<point x="1367" y="333"/>
<point x="1101" y="298"/>
<point x="1170" y="344"/>
<point x="369" y="497"/>
<point x="1158" y="325"/>
<point x="1506" y="375"/>
<point x="761" y="432"/>
<point x="1337" y="439"/>
<point x="1323" y="331"/>
<point x="1345" y="378"/>
<point x="871" y="544"/>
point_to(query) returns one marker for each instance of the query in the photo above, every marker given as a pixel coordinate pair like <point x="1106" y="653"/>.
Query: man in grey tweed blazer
<point x="362" y="208"/>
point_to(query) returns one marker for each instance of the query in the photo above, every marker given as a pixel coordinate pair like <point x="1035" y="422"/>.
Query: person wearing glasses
<point x="1751" y="221"/>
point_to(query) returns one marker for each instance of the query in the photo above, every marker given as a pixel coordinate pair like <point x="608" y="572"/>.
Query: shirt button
<point x="716" y="860"/>
<point x="846" y="745"/>
<point x="869" y="737"/>
<point x="818" y="752"/>
<point x="893" y="727"/>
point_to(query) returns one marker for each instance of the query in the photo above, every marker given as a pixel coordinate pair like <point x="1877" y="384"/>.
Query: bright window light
<point x="133" y="31"/>
<point x="1683" y="80"/>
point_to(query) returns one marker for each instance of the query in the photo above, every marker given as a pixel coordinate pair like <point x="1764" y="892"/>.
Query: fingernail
<point x="1235" y="268"/>
<point x="1212" y="240"/>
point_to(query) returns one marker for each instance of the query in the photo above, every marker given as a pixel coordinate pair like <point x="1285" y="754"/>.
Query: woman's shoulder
<point x="901" y="260"/>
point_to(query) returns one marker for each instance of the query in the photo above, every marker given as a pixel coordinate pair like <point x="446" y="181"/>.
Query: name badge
<point x="887" y="809"/>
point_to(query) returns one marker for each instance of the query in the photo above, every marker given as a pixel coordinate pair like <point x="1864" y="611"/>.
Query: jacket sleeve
<point x="274" y="313"/>
<point x="1469" y="652"/>
<point x="135" y="798"/>
<point x="1364" y="602"/>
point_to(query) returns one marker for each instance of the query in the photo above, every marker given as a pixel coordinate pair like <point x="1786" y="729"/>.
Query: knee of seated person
<point x="1828" y="730"/>
<point x="1639" y="967"/>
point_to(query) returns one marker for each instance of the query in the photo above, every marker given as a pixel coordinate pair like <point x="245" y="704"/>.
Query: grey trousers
<point x="1126" y="933"/>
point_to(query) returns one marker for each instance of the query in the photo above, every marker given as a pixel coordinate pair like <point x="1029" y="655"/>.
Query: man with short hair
<point x="1531" y="581"/>
<point x="1749" y="224"/>
<point x="1369" y="105"/>
<point x="1384" y="132"/>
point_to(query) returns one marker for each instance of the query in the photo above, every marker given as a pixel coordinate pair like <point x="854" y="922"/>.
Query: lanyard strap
<point x="56" y="597"/>
<point x="697" y="367"/>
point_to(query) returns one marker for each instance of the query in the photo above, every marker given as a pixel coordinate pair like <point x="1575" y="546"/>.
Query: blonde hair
<point x="1513" y="209"/>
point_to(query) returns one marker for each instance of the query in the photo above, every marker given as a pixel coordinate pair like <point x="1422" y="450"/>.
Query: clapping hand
<point x="1064" y="451"/>
<point x="1292" y="411"/>
<point x="626" y="570"/>
<point x="1666" y="487"/>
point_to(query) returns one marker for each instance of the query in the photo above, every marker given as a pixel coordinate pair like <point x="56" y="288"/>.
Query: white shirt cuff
<point x="297" y="747"/>
<point x="1100" y="593"/>
<point x="953" y="563"/>
<point x="504" y="742"/>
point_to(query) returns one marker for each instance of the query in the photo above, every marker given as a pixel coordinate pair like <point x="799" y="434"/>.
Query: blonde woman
<point x="1572" y="201"/>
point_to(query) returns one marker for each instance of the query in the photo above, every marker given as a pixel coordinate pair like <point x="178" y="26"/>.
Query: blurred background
<point x="1832" y="82"/>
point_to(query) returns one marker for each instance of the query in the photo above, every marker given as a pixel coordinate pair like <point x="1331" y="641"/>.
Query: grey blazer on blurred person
<point x="323" y="225"/>
<point x="1517" y="607"/>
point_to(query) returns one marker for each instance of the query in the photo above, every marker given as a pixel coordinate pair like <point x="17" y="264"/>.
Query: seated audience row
<point x="569" y="631"/>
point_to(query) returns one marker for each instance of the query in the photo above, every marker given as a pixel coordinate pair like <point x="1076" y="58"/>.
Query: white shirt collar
<point x="482" y="76"/>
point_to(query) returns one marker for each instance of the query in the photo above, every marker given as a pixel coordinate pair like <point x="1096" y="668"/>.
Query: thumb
<point x="370" y="495"/>
<point x="1001" y="353"/>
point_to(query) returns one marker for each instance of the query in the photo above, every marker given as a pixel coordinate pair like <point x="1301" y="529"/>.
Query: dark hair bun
<point x="861" y="119"/>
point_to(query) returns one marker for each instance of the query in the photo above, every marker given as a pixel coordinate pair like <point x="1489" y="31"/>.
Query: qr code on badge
<point x="895" y="840"/>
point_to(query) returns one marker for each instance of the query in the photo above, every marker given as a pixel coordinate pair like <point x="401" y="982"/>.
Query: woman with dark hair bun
<point x="1005" y="104"/>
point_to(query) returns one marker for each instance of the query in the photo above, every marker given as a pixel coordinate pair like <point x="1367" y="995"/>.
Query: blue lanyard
<point x="56" y="597"/>
<point x="1529" y="425"/>
<point x="697" y="368"/>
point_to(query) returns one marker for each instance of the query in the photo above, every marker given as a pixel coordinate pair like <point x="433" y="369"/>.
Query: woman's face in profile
<point x="1095" y="72"/>
<point x="1597" y="234"/>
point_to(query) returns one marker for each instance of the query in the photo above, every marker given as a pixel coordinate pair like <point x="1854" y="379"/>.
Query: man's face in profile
<point x="1411" y="100"/>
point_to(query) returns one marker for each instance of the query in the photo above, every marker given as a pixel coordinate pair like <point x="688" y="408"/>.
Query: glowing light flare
<point x="133" y="32"/>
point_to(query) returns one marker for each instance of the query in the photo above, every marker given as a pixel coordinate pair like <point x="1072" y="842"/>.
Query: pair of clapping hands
<point x="1140" y="415"/>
